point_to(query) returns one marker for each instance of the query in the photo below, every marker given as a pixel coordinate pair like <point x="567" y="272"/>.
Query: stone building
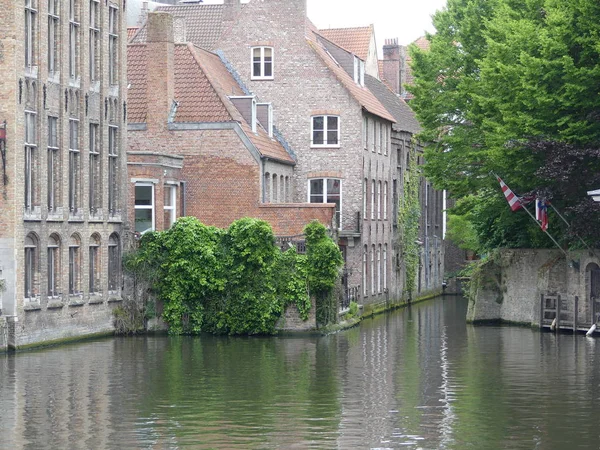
<point x="340" y="132"/>
<point x="62" y="207"/>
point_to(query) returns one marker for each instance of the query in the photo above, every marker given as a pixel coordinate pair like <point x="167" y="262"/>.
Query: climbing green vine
<point x="233" y="281"/>
<point x="409" y="213"/>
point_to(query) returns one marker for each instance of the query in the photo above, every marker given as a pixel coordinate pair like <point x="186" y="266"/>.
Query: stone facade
<point x="510" y="288"/>
<point x="62" y="79"/>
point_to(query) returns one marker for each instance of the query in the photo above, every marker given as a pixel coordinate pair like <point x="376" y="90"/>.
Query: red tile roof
<point x="423" y="44"/>
<point x="202" y="87"/>
<point x="355" y="40"/>
<point x="362" y="95"/>
<point x="131" y="32"/>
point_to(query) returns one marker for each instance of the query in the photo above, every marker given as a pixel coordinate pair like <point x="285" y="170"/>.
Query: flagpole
<point x="530" y="215"/>
<point x="569" y="225"/>
<point x="545" y="231"/>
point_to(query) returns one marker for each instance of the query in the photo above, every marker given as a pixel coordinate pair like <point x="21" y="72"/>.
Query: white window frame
<point x="359" y="71"/>
<point x="379" y="268"/>
<point x="325" y="130"/>
<point x="385" y="200"/>
<point x="338" y="214"/>
<point x="172" y="188"/>
<point x="94" y="40"/>
<point x="113" y="45"/>
<point x="365" y="198"/>
<point x="385" y="267"/>
<point x="372" y="199"/>
<point x="30" y="159"/>
<point x="113" y="170"/>
<point x="379" y="200"/>
<point x="145" y="207"/>
<point x="372" y="269"/>
<point x="74" y="25"/>
<point x="262" y="63"/>
<point x="53" y="36"/>
<point x="30" y="33"/>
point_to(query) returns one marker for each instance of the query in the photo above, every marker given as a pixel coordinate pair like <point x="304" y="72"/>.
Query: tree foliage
<point x="511" y="87"/>
<point x="233" y="281"/>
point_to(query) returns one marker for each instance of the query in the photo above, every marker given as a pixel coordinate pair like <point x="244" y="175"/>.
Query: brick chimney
<point x="392" y="64"/>
<point x="161" y="74"/>
<point x="231" y="10"/>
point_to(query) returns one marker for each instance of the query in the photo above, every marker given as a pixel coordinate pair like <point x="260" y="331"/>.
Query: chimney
<point x="391" y="64"/>
<point x="160" y="69"/>
<point x="231" y="10"/>
<point x="179" y="32"/>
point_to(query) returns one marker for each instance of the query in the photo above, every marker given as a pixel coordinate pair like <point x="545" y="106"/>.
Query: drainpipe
<point x="183" y="202"/>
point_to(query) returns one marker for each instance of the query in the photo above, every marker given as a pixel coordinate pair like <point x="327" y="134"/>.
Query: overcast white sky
<point x="406" y="20"/>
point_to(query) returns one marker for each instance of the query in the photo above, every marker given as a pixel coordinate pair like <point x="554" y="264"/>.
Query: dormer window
<point x="262" y="63"/>
<point x="325" y="131"/>
<point x="359" y="71"/>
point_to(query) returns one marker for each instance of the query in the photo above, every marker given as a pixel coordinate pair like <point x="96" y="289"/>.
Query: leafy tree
<point x="508" y="86"/>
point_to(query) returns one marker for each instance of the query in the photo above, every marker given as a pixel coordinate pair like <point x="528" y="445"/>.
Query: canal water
<point x="416" y="378"/>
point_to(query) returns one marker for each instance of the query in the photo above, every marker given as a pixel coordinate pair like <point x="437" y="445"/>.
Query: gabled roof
<point x="202" y="89"/>
<point x="405" y="117"/>
<point x="355" y="40"/>
<point x="363" y="96"/>
<point x="203" y="23"/>
<point x="423" y="44"/>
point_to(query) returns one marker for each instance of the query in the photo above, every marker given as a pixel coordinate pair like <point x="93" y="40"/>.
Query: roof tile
<point x="355" y="40"/>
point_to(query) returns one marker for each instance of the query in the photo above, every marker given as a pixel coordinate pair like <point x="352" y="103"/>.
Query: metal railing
<point x="352" y="294"/>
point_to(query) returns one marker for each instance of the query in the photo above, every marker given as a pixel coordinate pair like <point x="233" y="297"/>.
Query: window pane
<point x="318" y="123"/>
<point x="168" y="195"/>
<point x="143" y="220"/>
<point x="332" y="123"/>
<point x="316" y="191"/>
<point x="332" y="137"/>
<point x="268" y="69"/>
<point x="318" y="137"/>
<point x="143" y="195"/>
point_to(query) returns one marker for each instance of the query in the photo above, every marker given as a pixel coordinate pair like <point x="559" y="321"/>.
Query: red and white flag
<point x="513" y="200"/>
<point x="541" y="213"/>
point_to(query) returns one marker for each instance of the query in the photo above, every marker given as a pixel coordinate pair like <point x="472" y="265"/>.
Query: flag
<point x="541" y="213"/>
<point x="513" y="200"/>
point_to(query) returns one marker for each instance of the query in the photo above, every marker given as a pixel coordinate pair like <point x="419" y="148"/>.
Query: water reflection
<point x="416" y="378"/>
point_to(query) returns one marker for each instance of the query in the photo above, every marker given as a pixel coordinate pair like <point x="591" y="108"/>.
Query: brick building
<point x="341" y="133"/>
<point x="62" y="206"/>
<point x="201" y="145"/>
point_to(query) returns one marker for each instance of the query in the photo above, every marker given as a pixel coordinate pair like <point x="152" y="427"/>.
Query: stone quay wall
<point x="509" y="287"/>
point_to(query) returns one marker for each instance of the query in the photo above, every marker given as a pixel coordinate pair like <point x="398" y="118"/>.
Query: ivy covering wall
<point x="233" y="281"/>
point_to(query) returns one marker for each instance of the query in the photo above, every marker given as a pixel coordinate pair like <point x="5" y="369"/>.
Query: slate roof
<point x="363" y="95"/>
<point x="405" y="117"/>
<point x="202" y="87"/>
<point x="355" y="40"/>
<point x="203" y="23"/>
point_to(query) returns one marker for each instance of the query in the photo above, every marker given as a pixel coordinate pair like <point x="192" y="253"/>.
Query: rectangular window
<point x="327" y="190"/>
<point x="30" y="268"/>
<point x="74" y="167"/>
<point x="262" y="63"/>
<point x="371" y="135"/>
<point x="379" y="268"/>
<point x="53" y="164"/>
<point x="325" y="131"/>
<point x="95" y="170"/>
<point x="94" y="266"/>
<point x="170" y="205"/>
<point x="73" y="38"/>
<point x="53" y="268"/>
<point x="384" y="139"/>
<point x="373" y="269"/>
<point x="359" y="71"/>
<point x="385" y="267"/>
<point x="144" y="207"/>
<point x="113" y="172"/>
<point x="385" y="200"/>
<point x="372" y="199"/>
<point x="30" y="160"/>
<point x="53" y="35"/>
<point x="30" y="33"/>
<point x="364" y="132"/>
<point x="114" y="264"/>
<point x="94" y="40"/>
<point x="378" y="137"/>
<point x="364" y="271"/>
<point x="113" y="45"/>
<point x="74" y="265"/>
<point x="365" y="187"/>
<point x="379" y="200"/>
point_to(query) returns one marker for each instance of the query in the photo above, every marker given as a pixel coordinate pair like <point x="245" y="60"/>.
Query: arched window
<point x="94" y="264"/>
<point x="365" y="187"/>
<point x="267" y="187"/>
<point x="53" y="265"/>
<point x="31" y="266"/>
<point x="74" y="265"/>
<point x="114" y="263"/>
<point x="275" y="190"/>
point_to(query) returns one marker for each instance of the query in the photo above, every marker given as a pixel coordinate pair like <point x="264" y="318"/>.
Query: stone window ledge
<point x="115" y="298"/>
<point x="96" y="299"/>
<point x="32" y="306"/>
<point x="56" y="304"/>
